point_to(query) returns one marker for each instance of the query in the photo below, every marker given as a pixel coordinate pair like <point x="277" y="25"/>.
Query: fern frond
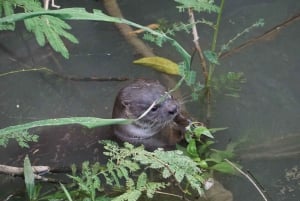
<point x="56" y="42"/>
<point x="29" y="5"/>
<point x="158" y="40"/>
<point x="198" y="5"/>
<point x="152" y="187"/>
<point x="7" y="8"/>
<point x="169" y="163"/>
<point x="129" y="196"/>
<point x="44" y="27"/>
<point x="22" y="137"/>
<point x="89" y="182"/>
<point x="142" y="181"/>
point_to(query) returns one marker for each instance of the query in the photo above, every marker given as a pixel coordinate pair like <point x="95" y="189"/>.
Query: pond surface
<point x="267" y="113"/>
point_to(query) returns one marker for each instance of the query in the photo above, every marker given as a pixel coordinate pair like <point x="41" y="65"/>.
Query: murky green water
<point x="267" y="112"/>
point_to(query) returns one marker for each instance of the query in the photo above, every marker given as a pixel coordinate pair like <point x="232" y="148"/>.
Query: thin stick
<point x="265" y="36"/>
<point x="197" y="44"/>
<point x="171" y="194"/>
<point x="67" y="77"/>
<point x="248" y="177"/>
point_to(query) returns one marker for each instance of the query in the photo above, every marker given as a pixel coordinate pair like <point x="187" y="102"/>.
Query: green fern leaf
<point x="152" y="187"/>
<point x="69" y="36"/>
<point x="43" y="27"/>
<point x="142" y="181"/>
<point x="198" y="5"/>
<point x="56" y="42"/>
<point x="166" y="173"/>
<point x="129" y="196"/>
<point x="6" y="8"/>
<point x="190" y="77"/>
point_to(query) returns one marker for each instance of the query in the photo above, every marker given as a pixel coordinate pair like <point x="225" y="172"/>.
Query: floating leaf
<point x="160" y="64"/>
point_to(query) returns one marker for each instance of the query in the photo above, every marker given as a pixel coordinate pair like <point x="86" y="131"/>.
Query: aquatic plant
<point x="123" y="177"/>
<point x="125" y="163"/>
<point x="46" y="28"/>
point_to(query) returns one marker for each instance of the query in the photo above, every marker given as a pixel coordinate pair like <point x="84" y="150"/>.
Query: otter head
<point x="133" y="100"/>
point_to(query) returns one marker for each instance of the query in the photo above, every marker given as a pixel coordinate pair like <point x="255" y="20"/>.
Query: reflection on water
<point x="268" y="111"/>
<point x="277" y="148"/>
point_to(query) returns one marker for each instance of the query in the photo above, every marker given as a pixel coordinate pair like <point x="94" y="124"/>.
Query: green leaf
<point x="211" y="56"/>
<point x="192" y="148"/>
<point x="220" y="155"/>
<point x="20" y="132"/>
<point x="130" y="196"/>
<point x="66" y="192"/>
<point x="201" y="130"/>
<point x="198" y="5"/>
<point x="224" y="167"/>
<point x="190" y="77"/>
<point x="213" y="130"/>
<point x="142" y="181"/>
<point x="29" y="178"/>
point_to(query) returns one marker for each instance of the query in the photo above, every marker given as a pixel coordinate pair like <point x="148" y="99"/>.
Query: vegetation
<point x="126" y="173"/>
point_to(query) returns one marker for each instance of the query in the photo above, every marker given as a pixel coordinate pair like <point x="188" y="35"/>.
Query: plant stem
<point x="212" y="66"/>
<point x="197" y="44"/>
<point x="217" y="26"/>
<point x="248" y="177"/>
<point x="171" y="194"/>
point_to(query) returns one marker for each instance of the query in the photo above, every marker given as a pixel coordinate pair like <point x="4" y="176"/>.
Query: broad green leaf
<point x="201" y="130"/>
<point x="224" y="167"/>
<point x="29" y="178"/>
<point x="160" y="64"/>
<point x="20" y="132"/>
<point x="192" y="148"/>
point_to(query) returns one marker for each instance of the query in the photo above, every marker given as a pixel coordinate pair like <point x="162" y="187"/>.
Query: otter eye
<point x="154" y="108"/>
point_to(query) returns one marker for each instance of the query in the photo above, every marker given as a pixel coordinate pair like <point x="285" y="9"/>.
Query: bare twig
<point x="66" y="77"/>
<point x="249" y="178"/>
<point x="197" y="44"/>
<point x="37" y="170"/>
<point x="265" y="36"/>
<point x="171" y="194"/>
<point x="19" y="171"/>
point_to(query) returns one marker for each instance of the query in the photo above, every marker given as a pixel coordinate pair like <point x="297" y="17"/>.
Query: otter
<point x="153" y="127"/>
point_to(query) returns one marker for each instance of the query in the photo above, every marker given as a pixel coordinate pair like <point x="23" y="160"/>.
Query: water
<point x="267" y="112"/>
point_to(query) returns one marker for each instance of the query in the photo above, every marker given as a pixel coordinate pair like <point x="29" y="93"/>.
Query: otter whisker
<point x="185" y="99"/>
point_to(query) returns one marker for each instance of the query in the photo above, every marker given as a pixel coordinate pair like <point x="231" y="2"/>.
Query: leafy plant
<point x="45" y="28"/>
<point x="210" y="58"/>
<point x="126" y="175"/>
<point x="123" y="171"/>
<point x="198" y="5"/>
<point x="199" y="139"/>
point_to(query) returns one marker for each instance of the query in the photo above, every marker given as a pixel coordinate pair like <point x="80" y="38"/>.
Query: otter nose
<point x="172" y="109"/>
